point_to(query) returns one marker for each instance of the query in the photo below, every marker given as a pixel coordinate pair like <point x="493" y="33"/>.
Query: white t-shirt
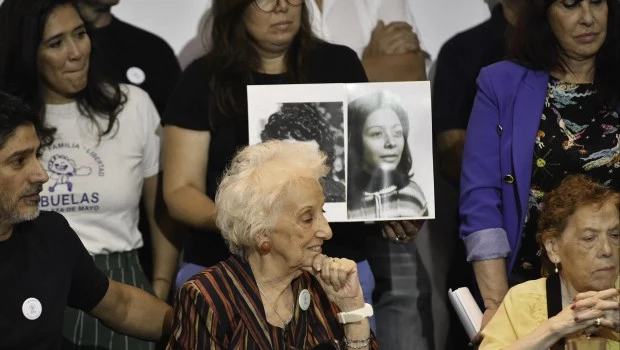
<point x="97" y="184"/>
<point x="351" y="22"/>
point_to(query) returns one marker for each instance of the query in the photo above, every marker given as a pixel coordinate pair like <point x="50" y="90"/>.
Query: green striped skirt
<point x="81" y="331"/>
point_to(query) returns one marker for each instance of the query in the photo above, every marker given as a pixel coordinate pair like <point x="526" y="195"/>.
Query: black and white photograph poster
<point x="376" y="136"/>
<point x="389" y="151"/>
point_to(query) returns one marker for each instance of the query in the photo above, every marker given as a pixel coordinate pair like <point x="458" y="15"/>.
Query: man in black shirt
<point x="43" y="265"/>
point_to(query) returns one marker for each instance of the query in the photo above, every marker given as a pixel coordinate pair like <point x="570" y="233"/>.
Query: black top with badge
<point x="43" y="268"/>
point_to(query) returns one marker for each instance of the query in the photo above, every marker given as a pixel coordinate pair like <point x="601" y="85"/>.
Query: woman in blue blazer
<point x="551" y="111"/>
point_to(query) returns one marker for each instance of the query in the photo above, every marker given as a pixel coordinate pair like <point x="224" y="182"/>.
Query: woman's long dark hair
<point x="233" y="57"/>
<point x="21" y="30"/>
<point x="358" y="180"/>
<point x="533" y="44"/>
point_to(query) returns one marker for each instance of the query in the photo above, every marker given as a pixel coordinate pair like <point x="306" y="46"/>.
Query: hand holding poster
<point x="376" y="136"/>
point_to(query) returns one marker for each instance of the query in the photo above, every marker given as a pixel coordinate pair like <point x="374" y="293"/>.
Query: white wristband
<point x="355" y="315"/>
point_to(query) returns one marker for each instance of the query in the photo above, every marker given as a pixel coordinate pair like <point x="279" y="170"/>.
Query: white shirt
<point x="351" y="22"/>
<point x="97" y="184"/>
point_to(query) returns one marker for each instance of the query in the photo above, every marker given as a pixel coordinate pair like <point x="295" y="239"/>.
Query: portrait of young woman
<point x="380" y="174"/>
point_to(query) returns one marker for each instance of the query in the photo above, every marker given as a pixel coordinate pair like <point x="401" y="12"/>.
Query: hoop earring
<point x="265" y="247"/>
<point x="556" y="267"/>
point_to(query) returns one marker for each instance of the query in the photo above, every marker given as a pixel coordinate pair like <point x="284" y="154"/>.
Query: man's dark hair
<point x="532" y="43"/>
<point x="13" y="114"/>
<point x="21" y="31"/>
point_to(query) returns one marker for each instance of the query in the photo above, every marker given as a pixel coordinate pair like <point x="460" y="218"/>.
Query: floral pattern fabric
<point x="577" y="135"/>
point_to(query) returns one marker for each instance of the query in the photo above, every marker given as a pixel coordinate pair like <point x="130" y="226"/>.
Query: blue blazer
<point x="497" y="160"/>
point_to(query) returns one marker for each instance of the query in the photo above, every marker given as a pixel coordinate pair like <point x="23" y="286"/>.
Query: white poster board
<point x="377" y="137"/>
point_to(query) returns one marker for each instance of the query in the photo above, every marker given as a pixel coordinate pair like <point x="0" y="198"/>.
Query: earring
<point x="556" y="267"/>
<point x="265" y="247"/>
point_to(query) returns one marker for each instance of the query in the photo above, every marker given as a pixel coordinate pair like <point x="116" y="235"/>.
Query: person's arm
<point x="449" y="145"/>
<point x="187" y="140"/>
<point x="606" y="301"/>
<point x="165" y="245"/>
<point x="516" y="324"/>
<point x="166" y="241"/>
<point x="186" y="155"/>
<point x="481" y="204"/>
<point x="398" y="67"/>
<point x="134" y="312"/>
<point x="339" y="280"/>
<point x="357" y="333"/>
<point x="453" y="94"/>
<point x="404" y="231"/>
<point x="394" y="54"/>
<point x="493" y="285"/>
<point x="124" y="308"/>
<point x="404" y="59"/>
<point x="401" y="231"/>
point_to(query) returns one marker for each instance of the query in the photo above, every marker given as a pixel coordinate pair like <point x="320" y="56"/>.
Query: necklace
<point x="284" y="323"/>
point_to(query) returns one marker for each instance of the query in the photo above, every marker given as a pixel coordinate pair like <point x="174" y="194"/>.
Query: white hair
<point x="249" y="198"/>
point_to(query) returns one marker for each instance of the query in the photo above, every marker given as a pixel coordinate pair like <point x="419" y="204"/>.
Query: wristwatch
<point x="355" y="315"/>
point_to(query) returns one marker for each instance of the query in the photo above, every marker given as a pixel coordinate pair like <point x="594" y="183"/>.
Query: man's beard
<point x="9" y="211"/>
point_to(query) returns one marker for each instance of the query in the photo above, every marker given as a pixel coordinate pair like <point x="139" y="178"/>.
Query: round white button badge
<point x="32" y="308"/>
<point x="304" y="299"/>
<point x="136" y="75"/>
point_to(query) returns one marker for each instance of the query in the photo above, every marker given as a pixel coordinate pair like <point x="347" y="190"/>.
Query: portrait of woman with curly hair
<point x="317" y="123"/>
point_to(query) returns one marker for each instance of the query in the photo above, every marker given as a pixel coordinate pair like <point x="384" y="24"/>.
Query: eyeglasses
<point x="270" y="5"/>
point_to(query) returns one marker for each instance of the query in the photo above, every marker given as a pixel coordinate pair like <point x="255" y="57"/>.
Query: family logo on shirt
<point x="63" y="171"/>
<point x="62" y="168"/>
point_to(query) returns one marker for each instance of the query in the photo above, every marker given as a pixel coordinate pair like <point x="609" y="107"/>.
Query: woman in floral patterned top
<point x="550" y="112"/>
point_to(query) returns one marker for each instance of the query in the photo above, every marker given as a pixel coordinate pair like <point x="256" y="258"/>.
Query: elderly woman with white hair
<point x="276" y="291"/>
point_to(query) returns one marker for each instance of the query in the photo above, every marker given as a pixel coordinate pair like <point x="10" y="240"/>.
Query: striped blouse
<point x="221" y="308"/>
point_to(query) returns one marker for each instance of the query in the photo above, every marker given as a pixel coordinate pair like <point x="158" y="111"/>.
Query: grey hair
<point x="249" y="197"/>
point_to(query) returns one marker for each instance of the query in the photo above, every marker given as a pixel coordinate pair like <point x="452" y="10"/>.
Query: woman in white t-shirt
<point x="101" y="149"/>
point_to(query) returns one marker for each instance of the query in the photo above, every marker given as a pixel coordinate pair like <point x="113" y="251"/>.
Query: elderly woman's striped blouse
<point x="221" y="308"/>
